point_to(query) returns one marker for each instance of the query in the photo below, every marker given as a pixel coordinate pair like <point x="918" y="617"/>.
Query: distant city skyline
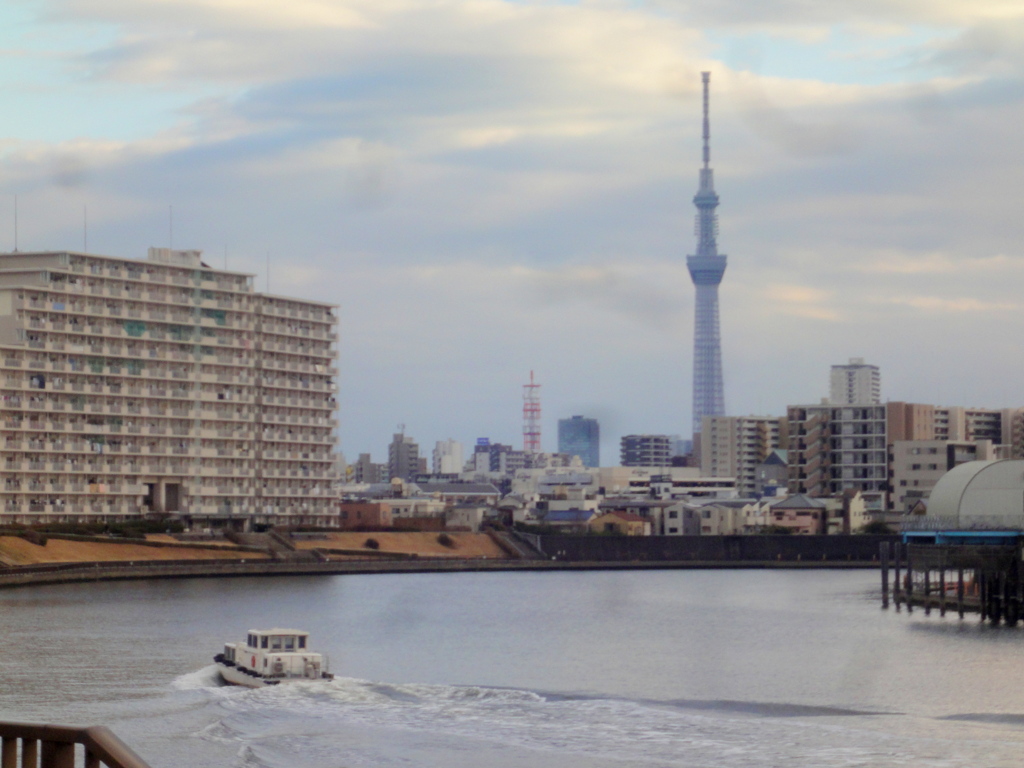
<point x="491" y="189"/>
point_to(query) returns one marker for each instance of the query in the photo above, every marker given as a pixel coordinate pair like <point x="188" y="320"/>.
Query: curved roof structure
<point x="981" y="494"/>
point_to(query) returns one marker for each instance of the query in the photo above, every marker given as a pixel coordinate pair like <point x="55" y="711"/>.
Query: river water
<point x="596" y="669"/>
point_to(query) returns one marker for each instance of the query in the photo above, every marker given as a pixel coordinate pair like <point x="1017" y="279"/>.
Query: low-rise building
<point x="771" y="477"/>
<point x="667" y="516"/>
<point x="729" y="518"/>
<point x="621" y="523"/>
<point x="569" y="520"/>
<point x="364" y="514"/>
<point x="467" y="516"/>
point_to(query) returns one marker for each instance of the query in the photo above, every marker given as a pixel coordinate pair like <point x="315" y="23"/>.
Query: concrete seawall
<point x="87" y="572"/>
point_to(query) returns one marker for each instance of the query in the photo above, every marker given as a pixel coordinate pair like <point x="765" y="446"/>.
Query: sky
<point x="492" y="187"/>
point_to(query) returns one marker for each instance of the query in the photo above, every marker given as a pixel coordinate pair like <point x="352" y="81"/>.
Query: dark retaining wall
<point x="566" y="553"/>
<point x="746" y="549"/>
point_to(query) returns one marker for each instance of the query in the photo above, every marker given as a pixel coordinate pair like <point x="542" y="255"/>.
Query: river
<point x="724" y="669"/>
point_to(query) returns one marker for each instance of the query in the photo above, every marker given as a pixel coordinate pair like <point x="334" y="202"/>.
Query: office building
<point x="161" y="386"/>
<point x="404" y="458"/>
<point x="581" y="437"/>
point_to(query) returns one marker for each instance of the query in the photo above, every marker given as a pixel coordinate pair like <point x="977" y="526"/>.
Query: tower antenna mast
<point x="531" y="416"/>
<point x="706" y="266"/>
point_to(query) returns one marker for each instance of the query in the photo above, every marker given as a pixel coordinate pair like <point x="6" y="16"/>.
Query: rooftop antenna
<point x="85" y="229"/>
<point x="15" y="223"/>
<point x="170" y="226"/>
<point x="225" y="257"/>
<point x="268" y="271"/>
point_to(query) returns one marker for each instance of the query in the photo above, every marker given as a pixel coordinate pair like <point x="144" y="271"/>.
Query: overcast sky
<point x="488" y="188"/>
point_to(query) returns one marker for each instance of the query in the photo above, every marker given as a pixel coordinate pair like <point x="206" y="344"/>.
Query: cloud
<point x="802" y="301"/>
<point x="489" y="187"/>
<point x="945" y="305"/>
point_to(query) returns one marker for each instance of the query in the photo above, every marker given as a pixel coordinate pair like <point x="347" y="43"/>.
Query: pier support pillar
<point x="883" y="556"/>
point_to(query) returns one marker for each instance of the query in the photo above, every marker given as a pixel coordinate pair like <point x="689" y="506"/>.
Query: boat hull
<point x="236" y="675"/>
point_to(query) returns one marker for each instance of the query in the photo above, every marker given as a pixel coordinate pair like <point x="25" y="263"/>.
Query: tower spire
<point x="706" y="269"/>
<point x="706" y="79"/>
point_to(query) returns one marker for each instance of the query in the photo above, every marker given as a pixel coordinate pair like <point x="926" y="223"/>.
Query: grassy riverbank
<point x="51" y="550"/>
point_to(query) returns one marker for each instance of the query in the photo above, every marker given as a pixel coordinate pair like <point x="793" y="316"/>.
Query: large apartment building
<point x="838" y="448"/>
<point x="154" y="386"/>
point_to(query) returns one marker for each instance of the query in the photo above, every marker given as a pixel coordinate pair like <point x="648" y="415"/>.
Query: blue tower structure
<point x="706" y="269"/>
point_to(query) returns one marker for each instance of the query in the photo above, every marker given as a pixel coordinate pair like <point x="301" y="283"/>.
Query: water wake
<point x="355" y="722"/>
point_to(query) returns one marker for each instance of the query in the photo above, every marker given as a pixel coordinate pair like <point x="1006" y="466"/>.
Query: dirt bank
<point x="471" y="545"/>
<point x="18" y="551"/>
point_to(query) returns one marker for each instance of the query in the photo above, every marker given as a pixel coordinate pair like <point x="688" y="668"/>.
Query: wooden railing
<point x="26" y="745"/>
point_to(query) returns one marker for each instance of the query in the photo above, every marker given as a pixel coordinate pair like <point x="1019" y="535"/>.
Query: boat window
<point x="302" y="641"/>
<point x="275" y="644"/>
<point x="289" y="643"/>
<point x="252" y="641"/>
<point x="263" y="642"/>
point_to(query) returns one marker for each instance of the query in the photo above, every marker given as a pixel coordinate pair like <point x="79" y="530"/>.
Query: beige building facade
<point x="161" y="386"/>
<point x="918" y="465"/>
<point x="734" y="446"/>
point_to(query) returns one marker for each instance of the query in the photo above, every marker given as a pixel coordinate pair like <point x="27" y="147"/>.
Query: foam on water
<point x="309" y="724"/>
<point x="207" y="677"/>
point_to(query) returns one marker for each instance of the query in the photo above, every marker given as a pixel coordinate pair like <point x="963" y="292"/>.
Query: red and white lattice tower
<point x="531" y="416"/>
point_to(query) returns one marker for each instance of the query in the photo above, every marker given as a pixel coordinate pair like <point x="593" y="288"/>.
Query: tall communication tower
<point x="706" y="269"/>
<point x="531" y="416"/>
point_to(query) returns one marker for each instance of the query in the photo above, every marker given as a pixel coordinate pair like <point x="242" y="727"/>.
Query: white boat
<point x="269" y="657"/>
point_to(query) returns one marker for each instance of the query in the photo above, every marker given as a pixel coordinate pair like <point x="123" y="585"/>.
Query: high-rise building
<point x="855" y="383"/>
<point x="161" y="386"/>
<point x="581" y="437"/>
<point x="706" y="269"/>
<point x="447" y="457"/>
<point x="403" y="457"/>
<point x="734" y="446"/>
<point x="646" y="451"/>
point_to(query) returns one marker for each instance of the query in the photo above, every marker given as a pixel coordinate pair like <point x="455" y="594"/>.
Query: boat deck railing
<point x="27" y="745"/>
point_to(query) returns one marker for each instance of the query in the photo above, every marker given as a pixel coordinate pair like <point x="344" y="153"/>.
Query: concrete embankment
<point x="83" y="572"/>
<point x="145" y="561"/>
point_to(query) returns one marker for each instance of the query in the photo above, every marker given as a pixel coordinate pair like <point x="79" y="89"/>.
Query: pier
<point x="976" y="572"/>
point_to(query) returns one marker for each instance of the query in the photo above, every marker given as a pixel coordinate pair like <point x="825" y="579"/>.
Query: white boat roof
<point x="278" y="631"/>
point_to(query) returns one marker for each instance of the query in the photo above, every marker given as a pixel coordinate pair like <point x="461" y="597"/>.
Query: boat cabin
<point x="286" y="640"/>
<point x="276" y="653"/>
